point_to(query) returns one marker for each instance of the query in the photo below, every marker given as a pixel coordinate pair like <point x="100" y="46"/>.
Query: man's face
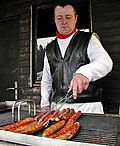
<point x="65" y="19"/>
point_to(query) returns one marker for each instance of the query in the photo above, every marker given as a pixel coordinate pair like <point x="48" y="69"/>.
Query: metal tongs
<point x="62" y="101"/>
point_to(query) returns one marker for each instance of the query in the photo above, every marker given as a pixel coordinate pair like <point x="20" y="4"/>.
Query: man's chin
<point x="64" y="32"/>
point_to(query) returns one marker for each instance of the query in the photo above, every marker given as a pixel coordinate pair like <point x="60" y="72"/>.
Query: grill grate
<point x="97" y="129"/>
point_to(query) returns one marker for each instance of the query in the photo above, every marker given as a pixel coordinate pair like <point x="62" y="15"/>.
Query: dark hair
<point x="63" y="4"/>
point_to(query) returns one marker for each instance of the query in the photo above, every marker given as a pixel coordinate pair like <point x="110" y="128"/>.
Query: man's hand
<point x="45" y="109"/>
<point x="79" y="83"/>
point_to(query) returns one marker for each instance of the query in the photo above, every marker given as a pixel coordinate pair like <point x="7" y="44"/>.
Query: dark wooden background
<point x="105" y="21"/>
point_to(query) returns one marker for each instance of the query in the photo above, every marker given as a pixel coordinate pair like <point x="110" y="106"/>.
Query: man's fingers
<point x="78" y="84"/>
<point x="45" y="109"/>
<point x="79" y="87"/>
<point x="86" y="86"/>
<point x="76" y="88"/>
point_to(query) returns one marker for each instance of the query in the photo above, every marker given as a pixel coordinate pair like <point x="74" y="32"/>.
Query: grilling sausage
<point x="29" y="128"/>
<point x="39" y="116"/>
<point x="70" y="133"/>
<point x="53" y="128"/>
<point x="68" y="125"/>
<point x="46" y="119"/>
<point x="64" y="113"/>
<point x="57" y="116"/>
<point x="76" y="115"/>
<point x="69" y="114"/>
<point x="13" y="126"/>
<point x="46" y="115"/>
<point x="54" y="116"/>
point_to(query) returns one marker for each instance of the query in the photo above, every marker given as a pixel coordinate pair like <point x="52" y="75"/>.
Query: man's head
<point x="65" y="18"/>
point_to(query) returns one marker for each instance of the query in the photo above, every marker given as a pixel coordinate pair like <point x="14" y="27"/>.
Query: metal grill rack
<point x="95" y="129"/>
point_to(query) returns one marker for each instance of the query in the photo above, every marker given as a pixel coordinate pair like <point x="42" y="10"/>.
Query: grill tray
<point x="95" y="128"/>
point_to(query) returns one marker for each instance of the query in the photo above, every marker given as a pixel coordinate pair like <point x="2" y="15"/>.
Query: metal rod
<point x="19" y="108"/>
<point x="16" y="90"/>
<point x="13" y="111"/>
<point x="20" y="103"/>
<point x="90" y="8"/>
<point x="34" y="106"/>
<point x="29" y="108"/>
<point x="31" y="47"/>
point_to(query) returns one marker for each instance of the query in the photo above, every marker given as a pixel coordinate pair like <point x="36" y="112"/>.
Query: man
<point x="74" y="60"/>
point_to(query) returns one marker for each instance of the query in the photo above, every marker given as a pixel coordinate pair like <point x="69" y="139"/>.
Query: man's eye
<point x="59" y="18"/>
<point x="68" y="17"/>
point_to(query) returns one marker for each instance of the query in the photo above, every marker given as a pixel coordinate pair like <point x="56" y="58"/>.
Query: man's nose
<point x="64" y="20"/>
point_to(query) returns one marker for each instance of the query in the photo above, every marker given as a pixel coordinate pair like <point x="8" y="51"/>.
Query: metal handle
<point x="10" y="88"/>
<point x="14" y="88"/>
<point x="19" y="103"/>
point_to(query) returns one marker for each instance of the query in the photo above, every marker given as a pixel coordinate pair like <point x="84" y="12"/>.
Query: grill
<point x="95" y="129"/>
<point x="98" y="129"/>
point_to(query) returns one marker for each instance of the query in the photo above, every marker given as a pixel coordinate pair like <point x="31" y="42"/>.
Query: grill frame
<point x="95" y="128"/>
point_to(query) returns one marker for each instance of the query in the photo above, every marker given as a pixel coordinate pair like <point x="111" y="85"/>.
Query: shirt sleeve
<point x="100" y="62"/>
<point x="46" y="84"/>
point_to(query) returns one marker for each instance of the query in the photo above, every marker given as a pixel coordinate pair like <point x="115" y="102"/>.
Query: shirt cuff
<point x="44" y="103"/>
<point x="45" y="98"/>
<point x="85" y="71"/>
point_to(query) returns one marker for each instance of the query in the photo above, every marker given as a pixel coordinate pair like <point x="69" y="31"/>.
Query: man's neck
<point x="62" y="36"/>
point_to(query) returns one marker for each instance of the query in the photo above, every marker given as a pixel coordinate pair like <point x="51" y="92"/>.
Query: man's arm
<point x="46" y="86"/>
<point x="100" y="65"/>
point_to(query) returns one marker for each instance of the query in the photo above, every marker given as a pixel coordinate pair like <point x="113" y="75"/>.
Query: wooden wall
<point x="106" y="22"/>
<point x="20" y="10"/>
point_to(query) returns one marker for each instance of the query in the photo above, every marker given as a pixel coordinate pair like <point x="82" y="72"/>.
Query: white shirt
<point x="99" y="66"/>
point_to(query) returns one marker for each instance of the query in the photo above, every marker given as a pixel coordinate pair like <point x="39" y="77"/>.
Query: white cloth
<point x="94" y="107"/>
<point x="99" y="66"/>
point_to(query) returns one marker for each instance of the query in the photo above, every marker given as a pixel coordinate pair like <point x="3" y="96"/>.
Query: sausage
<point x="46" y="119"/>
<point x="61" y="113"/>
<point x="58" y="115"/>
<point x="76" y="115"/>
<point x="53" y="128"/>
<point x="29" y="128"/>
<point x="71" y="121"/>
<point x="70" y="133"/>
<point x="65" y="112"/>
<point x="57" y="118"/>
<point x="46" y="115"/>
<point x="68" y="125"/>
<point x="34" y="127"/>
<point x="13" y="126"/>
<point x="54" y="116"/>
<point x="23" y="128"/>
<point x="68" y="115"/>
<point x="37" y="117"/>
